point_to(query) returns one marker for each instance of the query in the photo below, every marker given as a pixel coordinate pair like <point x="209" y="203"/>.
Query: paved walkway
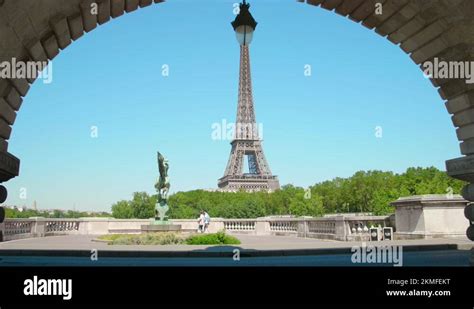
<point x="248" y="242"/>
<point x="76" y="250"/>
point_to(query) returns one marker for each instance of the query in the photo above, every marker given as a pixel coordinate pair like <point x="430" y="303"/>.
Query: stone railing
<point x="357" y="228"/>
<point x="61" y="226"/>
<point x="285" y="226"/>
<point x="39" y="227"/>
<point x="18" y="228"/>
<point x="239" y="225"/>
<point x="335" y="227"/>
<point x="322" y="227"/>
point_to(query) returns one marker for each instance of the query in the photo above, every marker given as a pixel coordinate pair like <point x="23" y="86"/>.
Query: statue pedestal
<point x="156" y="226"/>
<point x="160" y="223"/>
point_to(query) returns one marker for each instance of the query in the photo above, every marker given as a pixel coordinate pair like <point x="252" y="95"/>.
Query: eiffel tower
<point x="246" y="141"/>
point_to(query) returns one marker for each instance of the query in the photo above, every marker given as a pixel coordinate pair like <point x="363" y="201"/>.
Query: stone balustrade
<point x="240" y="225"/>
<point x="357" y="228"/>
<point x="61" y="225"/>
<point x="18" y="228"/>
<point x="322" y="227"/>
<point x="336" y="228"/>
<point x="286" y="226"/>
<point x="415" y="217"/>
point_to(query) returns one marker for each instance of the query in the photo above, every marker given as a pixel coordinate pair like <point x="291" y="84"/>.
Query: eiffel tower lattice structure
<point x="246" y="142"/>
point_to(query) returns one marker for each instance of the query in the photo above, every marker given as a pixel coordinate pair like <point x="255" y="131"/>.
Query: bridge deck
<point x="75" y="250"/>
<point x="249" y="242"/>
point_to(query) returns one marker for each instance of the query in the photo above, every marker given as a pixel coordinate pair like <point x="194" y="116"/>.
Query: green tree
<point x="143" y="205"/>
<point x="122" y="210"/>
<point x="365" y="191"/>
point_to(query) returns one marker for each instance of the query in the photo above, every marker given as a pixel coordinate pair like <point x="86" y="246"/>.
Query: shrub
<point x="219" y="238"/>
<point x="144" y="239"/>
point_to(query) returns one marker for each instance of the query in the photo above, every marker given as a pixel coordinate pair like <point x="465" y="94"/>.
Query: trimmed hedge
<point x="219" y="238"/>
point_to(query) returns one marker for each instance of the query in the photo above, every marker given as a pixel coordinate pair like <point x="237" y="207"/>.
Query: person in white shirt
<point x="201" y="222"/>
<point x="207" y="220"/>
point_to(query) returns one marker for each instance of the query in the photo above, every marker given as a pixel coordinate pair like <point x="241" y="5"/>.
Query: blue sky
<point x="315" y="127"/>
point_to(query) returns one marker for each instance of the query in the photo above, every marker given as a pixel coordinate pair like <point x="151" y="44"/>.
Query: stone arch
<point x="425" y="30"/>
<point x="38" y="31"/>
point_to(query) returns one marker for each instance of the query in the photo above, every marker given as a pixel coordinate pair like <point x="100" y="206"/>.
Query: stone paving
<point x="248" y="242"/>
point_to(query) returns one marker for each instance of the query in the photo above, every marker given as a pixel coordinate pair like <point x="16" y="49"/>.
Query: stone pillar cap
<point x="429" y="199"/>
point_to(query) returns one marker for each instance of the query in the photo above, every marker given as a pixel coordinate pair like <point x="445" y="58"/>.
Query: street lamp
<point x="244" y="24"/>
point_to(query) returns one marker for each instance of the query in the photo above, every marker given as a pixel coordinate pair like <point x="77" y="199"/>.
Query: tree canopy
<point x="56" y="213"/>
<point x="365" y="191"/>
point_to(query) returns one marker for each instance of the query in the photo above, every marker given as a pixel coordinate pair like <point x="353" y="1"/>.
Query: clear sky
<point x="315" y="127"/>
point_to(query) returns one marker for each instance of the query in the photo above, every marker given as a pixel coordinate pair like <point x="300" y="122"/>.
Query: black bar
<point x="238" y="285"/>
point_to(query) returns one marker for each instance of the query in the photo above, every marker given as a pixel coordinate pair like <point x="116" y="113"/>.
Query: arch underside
<point x="425" y="29"/>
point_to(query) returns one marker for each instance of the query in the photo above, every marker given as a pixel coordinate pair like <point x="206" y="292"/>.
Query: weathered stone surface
<point x="21" y="85"/>
<point x="61" y="30"/>
<point x="153" y="228"/>
<point x="9" y="166"/>
<point x="398" y="19"/>
<point x="7" y="112"/>
<point x="3" y="198"/>
<point x="469" y="210"/>
<point x="468" y="192"/>
<point x="5" y="87"/>
<point x="104" y="11"/>
<point x="465" y="132"/>
<point x="461" y="168"/>
<point x="5" y="129"/>
<point x="131" y="5"/>
<point x="460" y="103"/>
<point x="89" y="20"/>
<point x="313" y="2"/>
<point x="36" y="51"/>
<point x="430" y="50"/>
<point x="330" y="4"/>
<point x="454" y="88"/>
<point x="51" y="46"/>
<point x="470" y="235"/>
<point x="457" y="53"/>
<point x="425" y="35"/>
<point x="117" y="8"/>
<point x="3" y="145"/>
<point x="390" y="7"/>
<point x="429" y="216"/>
<point x="14" y="99"/>
<point x="19" y="21"/>
<point x="366" y="9"/>
<point x="407" y="30"/>
<point x="144" y="3"/>
<point x="463" y="118"/>
<point x="467" y="147"/>
<point x="76" y="27"/>
<point x="347" y="7"/>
